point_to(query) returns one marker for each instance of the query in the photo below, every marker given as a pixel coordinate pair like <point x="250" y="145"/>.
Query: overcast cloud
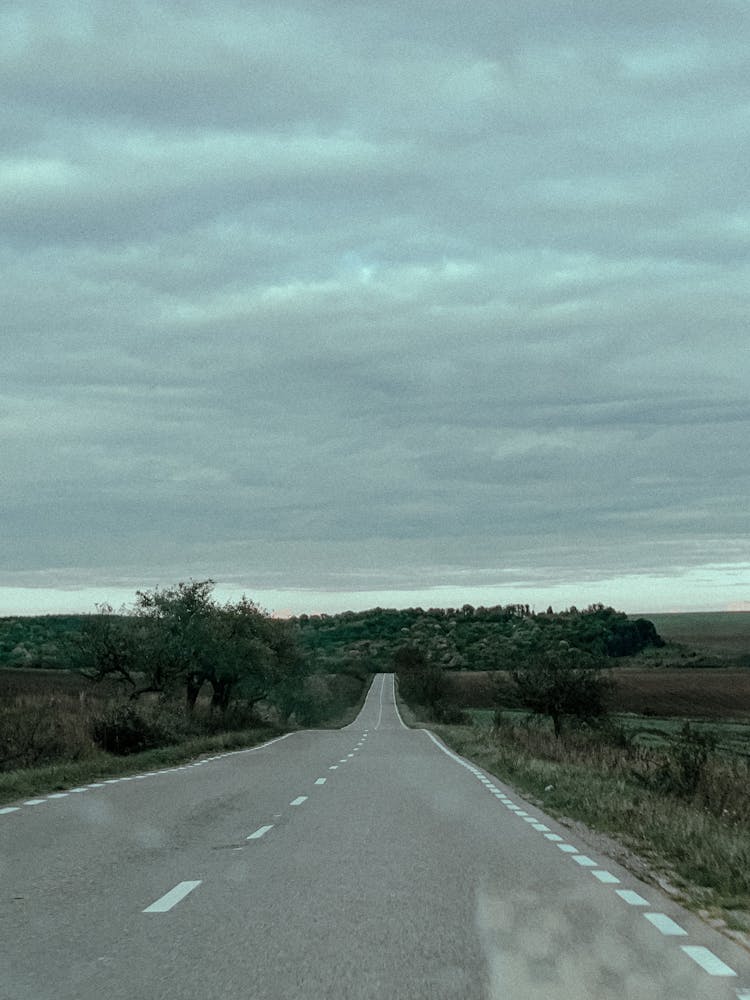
<point x="375" y="298"/>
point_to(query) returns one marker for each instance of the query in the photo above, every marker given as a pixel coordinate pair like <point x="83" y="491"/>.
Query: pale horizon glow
<point x="635" y="595"/>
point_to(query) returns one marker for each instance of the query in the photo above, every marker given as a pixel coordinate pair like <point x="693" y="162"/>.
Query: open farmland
<point x="717" y="637"/>
<point x="700" y="693"/>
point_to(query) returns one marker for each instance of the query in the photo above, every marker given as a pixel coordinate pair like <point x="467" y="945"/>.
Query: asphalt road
<point x="368" y="862"/>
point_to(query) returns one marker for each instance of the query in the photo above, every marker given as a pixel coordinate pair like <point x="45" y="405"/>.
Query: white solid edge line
<point x="707" y="960"/>
<point x="172" y="898"/>
<point x="260" y="832"/>
<point x="395" y="705"/>
<point x="380" y="713"/>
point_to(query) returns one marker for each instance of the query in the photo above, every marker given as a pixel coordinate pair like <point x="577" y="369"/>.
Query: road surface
<point x="368" y="862"/>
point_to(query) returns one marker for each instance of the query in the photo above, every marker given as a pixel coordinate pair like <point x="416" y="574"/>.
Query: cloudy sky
<point x="345" y="304"/>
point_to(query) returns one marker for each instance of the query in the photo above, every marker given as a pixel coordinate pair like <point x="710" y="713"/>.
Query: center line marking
<point x="260" y="832"/>
<point x="320" y="781"/>
<point x="298" y="801"/>
<point x="172" y="898"/>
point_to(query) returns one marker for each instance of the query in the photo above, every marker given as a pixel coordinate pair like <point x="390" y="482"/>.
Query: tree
<point x="180" y="637"/>
<point x="106" y="645"/>
<point x="562" y="683"/>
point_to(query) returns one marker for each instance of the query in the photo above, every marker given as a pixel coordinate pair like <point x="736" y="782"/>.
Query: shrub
<point x="127" y="728"/>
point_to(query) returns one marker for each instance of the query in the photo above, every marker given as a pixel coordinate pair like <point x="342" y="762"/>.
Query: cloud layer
<point x="358" y="297"/>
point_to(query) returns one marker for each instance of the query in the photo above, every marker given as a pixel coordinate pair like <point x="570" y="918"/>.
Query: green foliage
<point x="562" y="683"/>
<point x="469" y="638"/>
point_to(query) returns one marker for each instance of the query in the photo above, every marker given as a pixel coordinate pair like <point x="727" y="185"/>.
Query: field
<point x="722" y="637"/>
<point x="668" y="692"/>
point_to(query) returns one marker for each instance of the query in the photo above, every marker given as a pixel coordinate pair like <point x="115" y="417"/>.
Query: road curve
<point x="367" y="862"/>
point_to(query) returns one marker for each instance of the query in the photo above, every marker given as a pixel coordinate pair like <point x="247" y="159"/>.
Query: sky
<point x="347" y="305"/>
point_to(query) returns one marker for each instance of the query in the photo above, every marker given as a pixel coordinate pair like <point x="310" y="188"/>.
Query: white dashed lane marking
<point x="583" y="861"/>
<point x="607" y="877"/>
<point x="298" y="801"/>
<point x="9" y="809"/>
<point x="172" y="898"/>
<point x="260" y="832"/>
<point x="631" y="898"/>
<point x="665" y="924"/>
<point x="707" y="960"/>
<point x="567" y="848"/>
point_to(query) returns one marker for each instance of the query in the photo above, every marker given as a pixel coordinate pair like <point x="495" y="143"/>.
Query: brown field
<point x="711" y="693"/>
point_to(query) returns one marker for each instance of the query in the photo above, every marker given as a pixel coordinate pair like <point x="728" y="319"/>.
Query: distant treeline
<point x="465" y="638"/>
<point x="470" y="638"/>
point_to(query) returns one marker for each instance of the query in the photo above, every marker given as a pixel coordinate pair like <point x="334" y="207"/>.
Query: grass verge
<point x="700" y="858"/>
<point x="69" y="774"/>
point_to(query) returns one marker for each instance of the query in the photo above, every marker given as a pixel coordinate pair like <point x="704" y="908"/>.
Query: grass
<point x="732" y="737"/>
<point x="29" y="781"/>
<point x="49" y="721"/>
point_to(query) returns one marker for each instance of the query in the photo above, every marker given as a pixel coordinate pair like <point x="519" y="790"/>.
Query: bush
<point x="127" y="728"/>
<point x="451" y="715"/>
<point x="41" y="732"/>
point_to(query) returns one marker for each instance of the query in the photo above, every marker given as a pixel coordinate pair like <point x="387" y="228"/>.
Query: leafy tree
<point x="562" y="683"/>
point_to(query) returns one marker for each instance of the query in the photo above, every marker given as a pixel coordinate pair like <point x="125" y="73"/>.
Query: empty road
<point x="368" y="862"/>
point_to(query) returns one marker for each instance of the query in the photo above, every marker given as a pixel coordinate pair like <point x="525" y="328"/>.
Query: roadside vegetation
<point x="638" y="729"/>
<point x="175" y="676"/>
<point x="652" y="760"/>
